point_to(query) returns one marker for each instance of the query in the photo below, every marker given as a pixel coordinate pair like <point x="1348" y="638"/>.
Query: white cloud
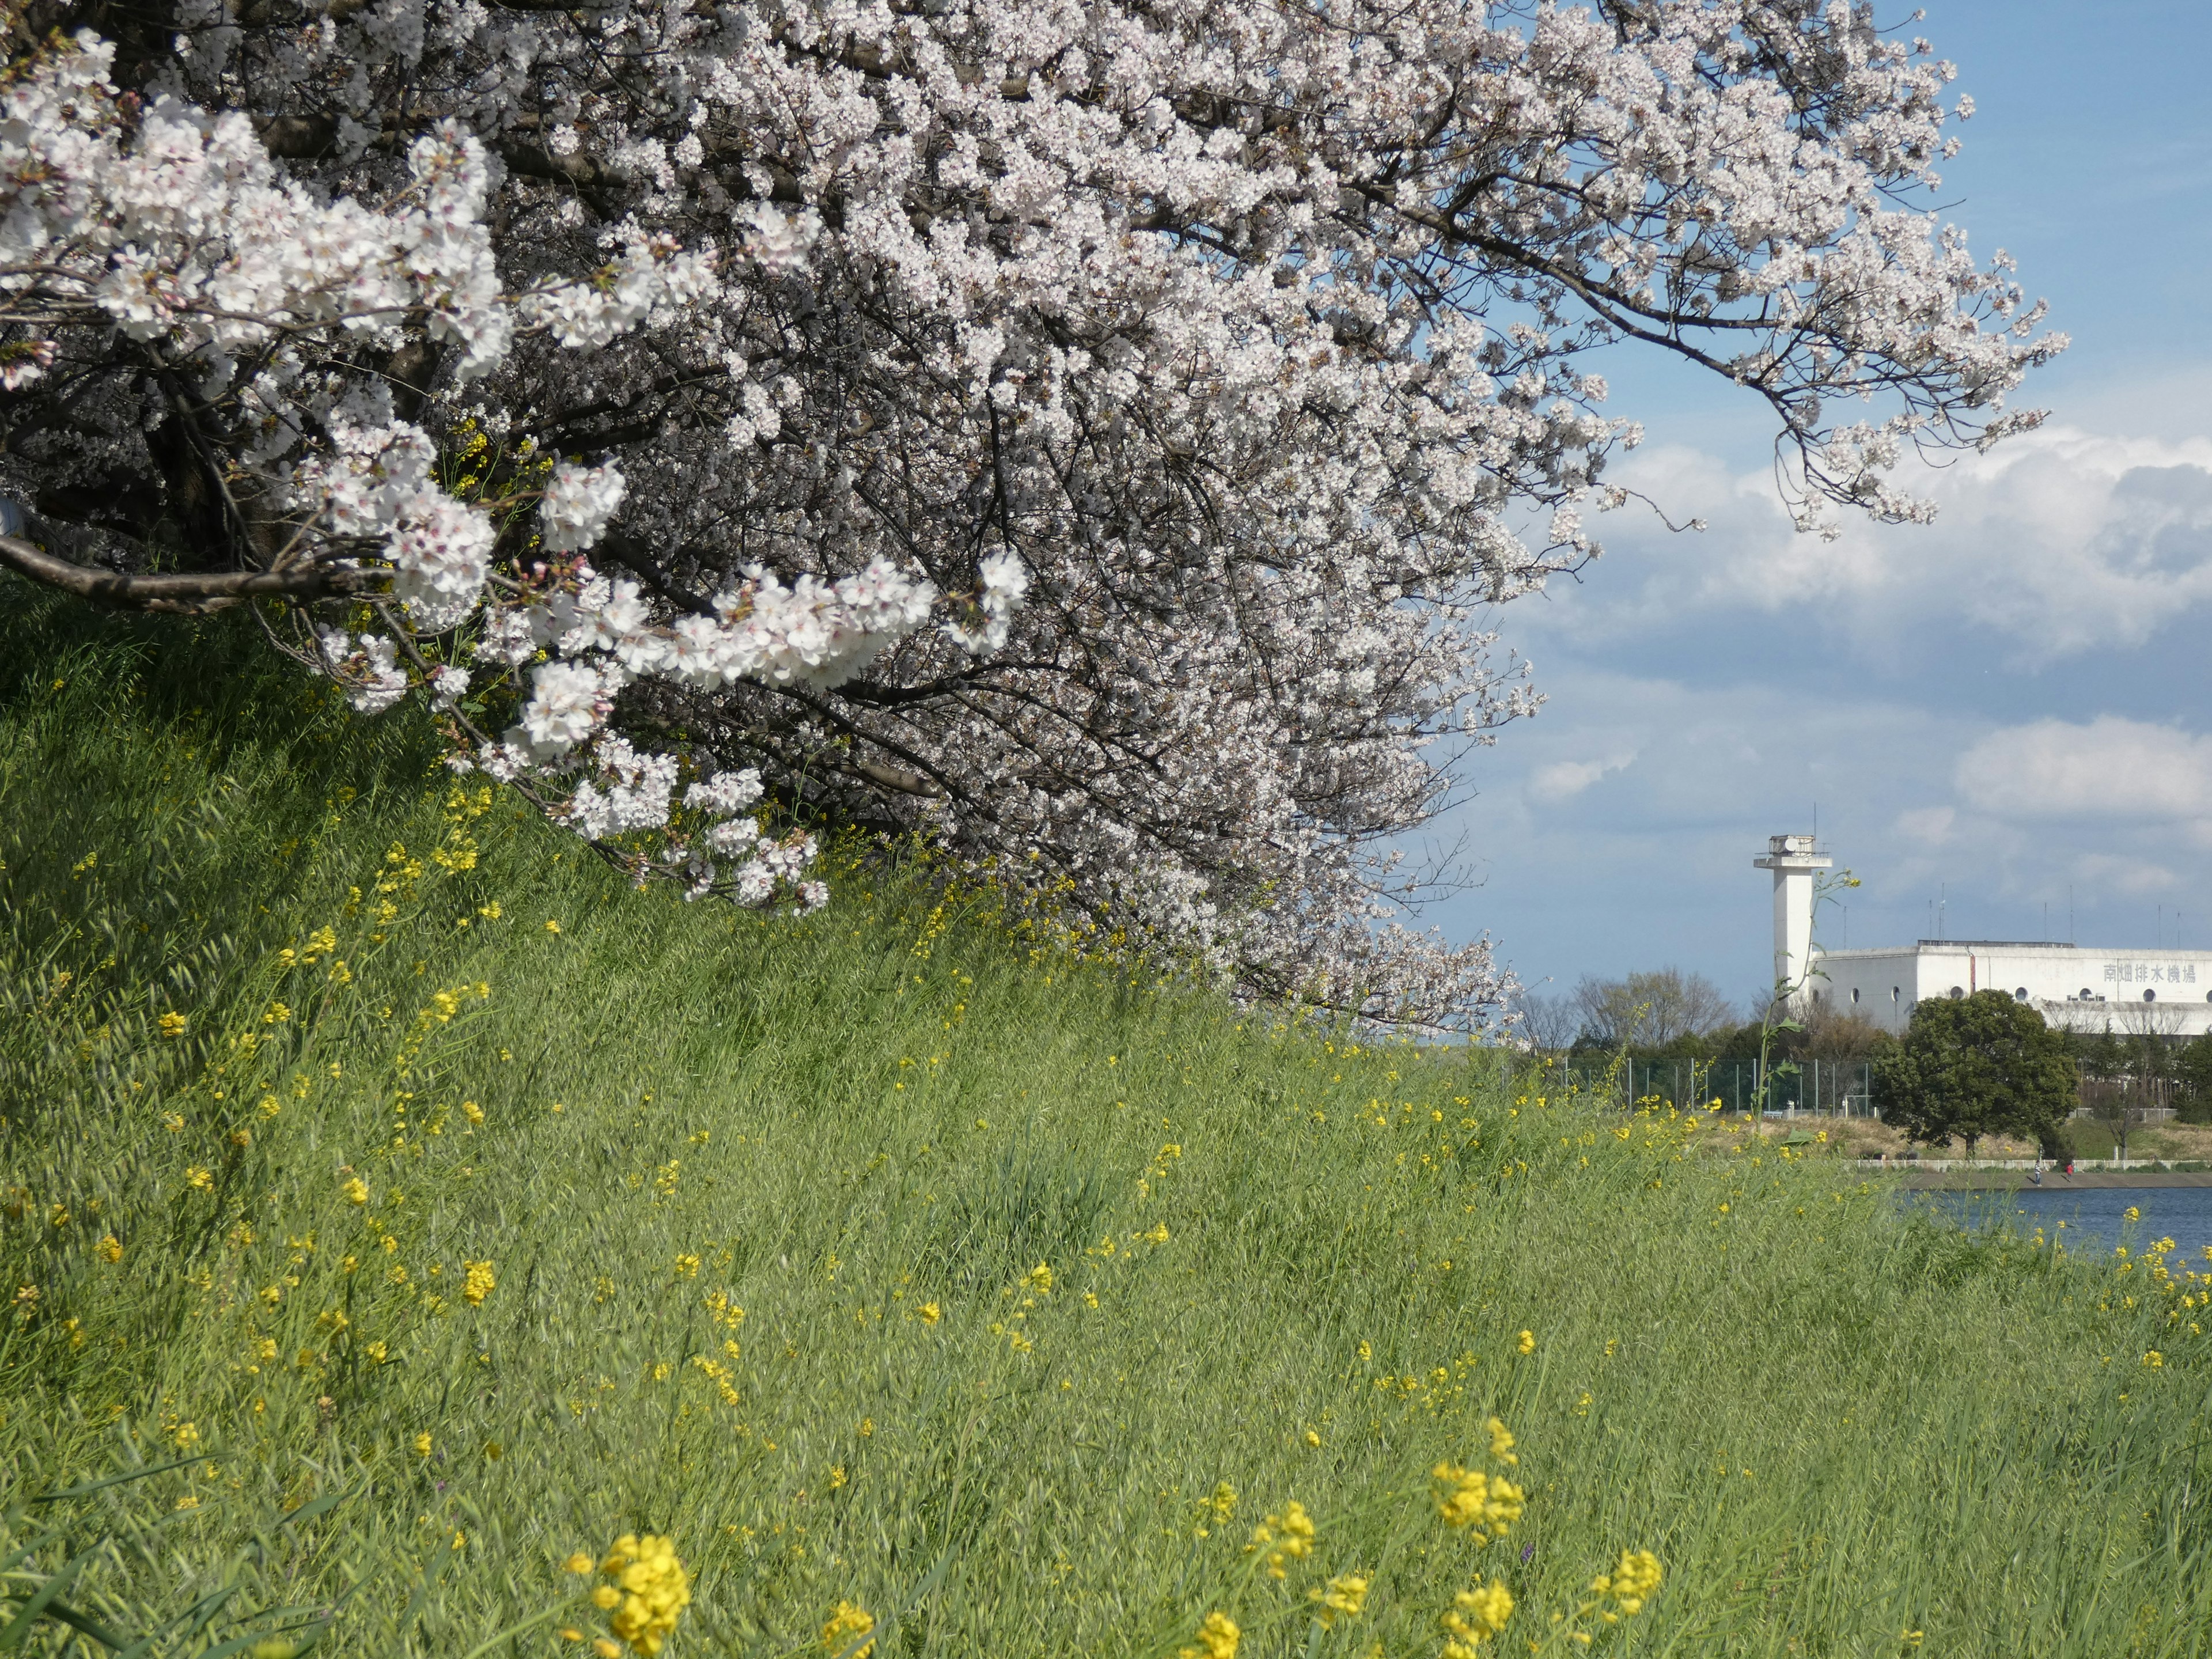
<point x="1564" y="779"/>
<point x="2110" y="768"/>
<point x="1931" y="824"/>
<point x="2060" y="541"/>
<point x="2124" y="875"/>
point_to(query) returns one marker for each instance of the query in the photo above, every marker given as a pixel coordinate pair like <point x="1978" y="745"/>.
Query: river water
<point x="2095" y="1216"/>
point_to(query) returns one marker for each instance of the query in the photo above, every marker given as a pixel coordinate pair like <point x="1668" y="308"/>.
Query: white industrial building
<point x="2081" y="987"/>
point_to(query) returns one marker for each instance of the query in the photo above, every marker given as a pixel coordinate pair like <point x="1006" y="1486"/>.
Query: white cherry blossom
<point x="1093" y="437"/>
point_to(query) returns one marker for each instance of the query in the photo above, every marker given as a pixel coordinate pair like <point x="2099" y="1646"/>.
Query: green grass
<point x="1833" y="1425"/>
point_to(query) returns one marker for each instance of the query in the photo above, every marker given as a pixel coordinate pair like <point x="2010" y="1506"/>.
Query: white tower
<point x="1793" y="861"/>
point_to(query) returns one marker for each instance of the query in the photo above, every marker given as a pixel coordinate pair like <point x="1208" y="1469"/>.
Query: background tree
<point x="1090" y="437"/>
<point x="2193" y="1072"/>
<point x="1839" y="1039"/>
<point x="2150" y="1034"/>
<point x="2132" y="1068"/>
<point x="1547" y="1023"/>
<point x="1652" y="1012"/>
<point x="1971" y="1066"/>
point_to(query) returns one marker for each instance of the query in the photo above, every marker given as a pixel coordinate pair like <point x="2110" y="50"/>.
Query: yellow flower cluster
<point x="1485" y="1505"/>
<point x="846" y="1626"/>
<point x="1344" y="1596"/>
<point x="649" y="1591"/>
<point x="1216" y="1638"/>
<point x="1630" y="1583"/>
<point x="1473" y="1618"/>
<point x="479" y="1283"/>
<point x="1285" y="1537"/>
<point x="1501" y="1438"/>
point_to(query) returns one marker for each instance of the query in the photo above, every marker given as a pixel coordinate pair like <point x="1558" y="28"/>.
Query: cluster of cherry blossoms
<point x="1094" y="438"/>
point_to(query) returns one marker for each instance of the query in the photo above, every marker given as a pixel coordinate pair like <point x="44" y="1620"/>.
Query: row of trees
<point x="1091" y="437"/>
<point x="1965" y="1067"/>
<point x="1666" y="1014"/>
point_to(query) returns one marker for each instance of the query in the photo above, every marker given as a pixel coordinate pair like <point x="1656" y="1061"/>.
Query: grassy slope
<point x="1834" y="1429"/>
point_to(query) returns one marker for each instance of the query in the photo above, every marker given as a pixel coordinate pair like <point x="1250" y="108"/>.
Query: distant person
<point x="2035" y="1175"/>
<point x="2069" y="1169"/>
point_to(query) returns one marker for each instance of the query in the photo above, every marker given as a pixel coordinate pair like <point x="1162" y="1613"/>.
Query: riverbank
<point x="406" y="1205"/>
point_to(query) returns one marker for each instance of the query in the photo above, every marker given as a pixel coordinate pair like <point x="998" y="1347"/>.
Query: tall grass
<point x="1284" y="1264"/>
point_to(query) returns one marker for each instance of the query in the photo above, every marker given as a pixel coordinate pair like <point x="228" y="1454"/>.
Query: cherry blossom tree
<point x="1092" y="436"/>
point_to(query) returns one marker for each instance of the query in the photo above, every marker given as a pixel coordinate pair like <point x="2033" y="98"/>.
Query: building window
<point x="2150" y="996"/>
<point x="1896" y="993"/>
<point x="2087" y="995"/>
<point x="1855" y="994"/>
<point x="1958" y="991"/>
<point x="2021" y="995"/>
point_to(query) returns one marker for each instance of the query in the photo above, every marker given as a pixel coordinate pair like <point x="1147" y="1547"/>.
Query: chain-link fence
<point x="1813" y="1088"/>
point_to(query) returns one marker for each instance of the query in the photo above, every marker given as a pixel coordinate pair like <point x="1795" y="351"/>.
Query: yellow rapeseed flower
<point x="172" y="1024"/>
<point x="655" y="1590"/>
<point x="109" y="1249"/>
<point x="356" y="1191"/>
<point x="581" y="1564"/>
<point x="1344" y="1595"/>
<point x="1038" y="1278"/>
<point x="846" y="1626"/>
<point x="1473" y="1618"/>
<point x="1285" y="1537"/>
<point x="1501" y="1439"/>
<point x="422" y="1444"/>
<point x="1631" y="1583"/>
<point x="930" y="1313"/>
<point x="1527" y="1342"/>
<point x="1216" y="1639"/>
<point x="1486" y="1505"/>
<point x="479" y="1283"/>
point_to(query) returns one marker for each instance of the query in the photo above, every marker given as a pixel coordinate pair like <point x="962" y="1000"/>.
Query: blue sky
<point x="2008" y="708"/>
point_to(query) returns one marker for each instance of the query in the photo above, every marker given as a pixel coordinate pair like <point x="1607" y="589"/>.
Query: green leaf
<point x="321" y="1506"/>
<point x="124" y="1479"/>
<point x="19" y="1628"/>
<point x="85" y="1622"/>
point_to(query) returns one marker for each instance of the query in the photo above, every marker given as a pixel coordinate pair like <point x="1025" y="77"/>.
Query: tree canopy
<point x="1651" y="1012"/>
<point x="1090" y="437"/>
<point x="1976" y="1065"/>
